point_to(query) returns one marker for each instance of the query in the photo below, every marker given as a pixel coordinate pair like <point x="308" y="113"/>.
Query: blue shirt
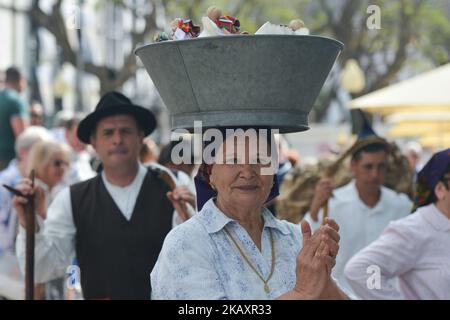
<point x="199" y="261"/>
<point x="8" y="219"/>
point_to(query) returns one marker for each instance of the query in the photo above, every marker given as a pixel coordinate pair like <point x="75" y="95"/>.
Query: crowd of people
<point x="111" y="201"/>
<point x="61" y="159"/>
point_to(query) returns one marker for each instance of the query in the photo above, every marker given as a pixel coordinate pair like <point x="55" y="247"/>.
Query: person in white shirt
<point x="80" y="166"/>
<point x="11" y="278"/>
<point x="50" y="160"/>
<point x="11" y="176"/>
<point x="116" y="222"/>
<point x="149" y="156"/>
<point x="414" y="250"/>
<point x="363" y="207"/>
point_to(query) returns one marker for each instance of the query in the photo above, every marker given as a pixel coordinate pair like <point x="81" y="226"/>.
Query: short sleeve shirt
<point x="11" y="105"/>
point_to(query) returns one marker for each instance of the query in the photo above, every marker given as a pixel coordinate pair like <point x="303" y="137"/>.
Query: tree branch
<point x="109" y="79"/>
<point x="130" y="65"/>
<point x="404" y="38"/>
<point x="328" y="12"/>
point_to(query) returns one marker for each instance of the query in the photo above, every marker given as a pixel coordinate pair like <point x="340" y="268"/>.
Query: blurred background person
<point x="149" y="156"/>
<point x="16" y="170"/>
<point x="165" y="157"/>
<point x="150" y="151"/>
<point x="288" y="159"/>
<point x="364" y="206"/>
<point x="50" y="160"/>
<point x="413" y="152"/>
<point x="2" y="80"/>
<point x="13" y="114"/>
<point x="414" y="250"/>
<point x="80" y="157"/>
<point x="36" y="111"/>
<point x="59" y="124"/>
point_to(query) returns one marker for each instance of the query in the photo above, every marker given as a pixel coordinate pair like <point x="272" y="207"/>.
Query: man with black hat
<point x="363" y="207"/>
<point x="116" y="222"/>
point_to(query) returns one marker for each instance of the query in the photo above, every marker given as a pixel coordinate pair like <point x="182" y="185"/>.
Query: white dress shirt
<point x="8" y="219"/>
<point x="415" y="251"/>
<point x="55" y="241"/>
<point x="359" y="224"/>
<point x="80" y="167"/>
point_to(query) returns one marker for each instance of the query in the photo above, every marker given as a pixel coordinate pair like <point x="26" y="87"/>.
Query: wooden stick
<point x="184" y="215"/>
<point x="29" y="246"/>
<point x="329" y="172"/>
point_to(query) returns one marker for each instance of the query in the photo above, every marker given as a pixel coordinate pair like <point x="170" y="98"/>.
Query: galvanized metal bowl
<point x="241" y="81"/>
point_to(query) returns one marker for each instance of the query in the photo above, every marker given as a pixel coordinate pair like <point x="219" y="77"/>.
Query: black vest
<point x="115" y="255"/>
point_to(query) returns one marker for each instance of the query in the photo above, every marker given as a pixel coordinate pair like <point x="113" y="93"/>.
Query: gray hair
<point x="74" y="120"/>
<point x="30" y="136"/>
<point x="42" y="152"/>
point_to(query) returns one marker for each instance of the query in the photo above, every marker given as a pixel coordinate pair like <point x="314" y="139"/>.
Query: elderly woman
<point x="234" y="248"/>
<point x="414" y="250"/>
<point x="50" y="160"/>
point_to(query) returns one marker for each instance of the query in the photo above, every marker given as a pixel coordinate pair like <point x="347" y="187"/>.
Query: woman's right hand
<point x="19" y="203"/>
<point x="316" y="259"/>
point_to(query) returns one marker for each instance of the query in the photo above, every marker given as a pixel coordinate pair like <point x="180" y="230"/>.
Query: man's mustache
<point x="119" y="150"/>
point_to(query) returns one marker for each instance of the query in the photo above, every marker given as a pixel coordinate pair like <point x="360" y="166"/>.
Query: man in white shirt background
<point x="80" y="166"/>
<point x="414" y="250"/>
<point x="363" y="207"/>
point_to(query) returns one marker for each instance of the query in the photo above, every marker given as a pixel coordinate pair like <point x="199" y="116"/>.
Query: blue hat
<point x="429" y="176"/>
<point x="366" y="129"/>
<point x="366" y="136"/>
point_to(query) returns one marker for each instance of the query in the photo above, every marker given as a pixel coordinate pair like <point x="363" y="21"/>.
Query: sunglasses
<point x="59" y="163"/>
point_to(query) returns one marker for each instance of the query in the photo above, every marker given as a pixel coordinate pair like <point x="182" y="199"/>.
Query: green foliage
<point x="434" y="36"/>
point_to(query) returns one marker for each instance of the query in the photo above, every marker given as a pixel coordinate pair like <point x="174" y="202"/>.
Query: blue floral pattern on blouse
<point x="199" y="261"/>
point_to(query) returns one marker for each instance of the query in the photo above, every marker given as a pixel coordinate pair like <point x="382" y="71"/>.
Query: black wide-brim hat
<point x="114" y="103"/>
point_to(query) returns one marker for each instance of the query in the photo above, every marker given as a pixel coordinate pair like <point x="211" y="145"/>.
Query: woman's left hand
<point x="332" y="242"/>
<point x="316" y="259"/>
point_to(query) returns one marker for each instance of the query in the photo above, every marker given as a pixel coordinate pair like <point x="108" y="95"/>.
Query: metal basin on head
<point x="241" y="81"/>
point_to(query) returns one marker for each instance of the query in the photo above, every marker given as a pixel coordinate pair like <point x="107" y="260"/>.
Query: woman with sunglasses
<point x="414" y="250"/>
<point x="50" y="161"/>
